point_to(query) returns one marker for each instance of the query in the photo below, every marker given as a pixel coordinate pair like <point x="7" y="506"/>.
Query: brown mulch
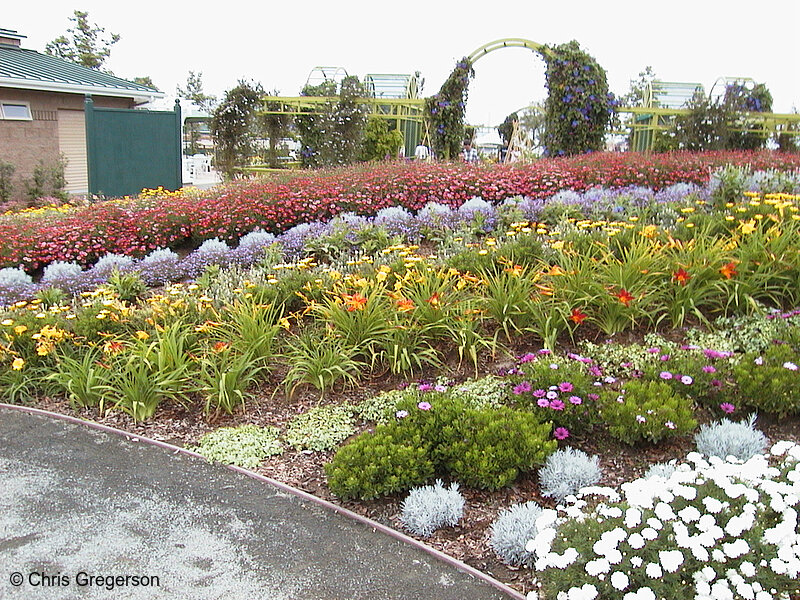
<point x="469" y="541"/>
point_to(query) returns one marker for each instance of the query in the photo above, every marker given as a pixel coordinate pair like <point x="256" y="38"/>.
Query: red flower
<point x="354" y="302"/>
<point x="577" y="316"/>
<point x="624" y="296"/>
<point x="434" y="300"/>
<point x="681" y="276"/>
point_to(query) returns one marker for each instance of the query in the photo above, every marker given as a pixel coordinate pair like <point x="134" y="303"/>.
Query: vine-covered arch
<point x="578" y="108"/>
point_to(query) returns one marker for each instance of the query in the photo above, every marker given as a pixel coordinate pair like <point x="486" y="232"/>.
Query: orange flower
<point x="220" y="347"/>
<point x="577" y="316"/>
<point x="113" y="347"/>
<point x="405" y="305"/>
<point x="434" y="300"/>
<point x="728" y="270"/>
<point x="355" y="302"/>
<point x="516" y="270"/>
<point x="681" y="276"/>
<point x="624" y="296"/>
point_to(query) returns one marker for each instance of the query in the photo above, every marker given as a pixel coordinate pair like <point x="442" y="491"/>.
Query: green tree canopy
<point x="84" y="43"/>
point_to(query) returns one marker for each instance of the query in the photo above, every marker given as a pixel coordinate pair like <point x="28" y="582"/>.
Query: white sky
<point x="278" y="43"/>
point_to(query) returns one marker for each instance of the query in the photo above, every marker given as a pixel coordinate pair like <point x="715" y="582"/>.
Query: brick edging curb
<point x="453" y="562"/>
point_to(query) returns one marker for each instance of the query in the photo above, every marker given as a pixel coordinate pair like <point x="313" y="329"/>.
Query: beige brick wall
<point x="25" y="143"/>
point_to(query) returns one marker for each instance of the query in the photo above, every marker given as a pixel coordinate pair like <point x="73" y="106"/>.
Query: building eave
<point x="138" y="96"/>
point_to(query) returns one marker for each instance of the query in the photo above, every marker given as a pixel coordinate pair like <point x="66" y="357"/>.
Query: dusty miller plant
<point x="727" y="438"/>
<point x="567" y="471"/>
<point x="430" y="507"/>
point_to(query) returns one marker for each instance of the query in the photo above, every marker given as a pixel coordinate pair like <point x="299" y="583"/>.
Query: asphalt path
<point x="90" y="512"/>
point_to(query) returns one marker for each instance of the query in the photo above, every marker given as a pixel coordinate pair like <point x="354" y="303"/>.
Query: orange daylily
<point x="577" y="316"/>
<point x="728" y="270"/>
<point x="354" y="302"/>
<point x="405" y="305"/>
<point x="624" y="296"/>
<point x="434" y="300"/>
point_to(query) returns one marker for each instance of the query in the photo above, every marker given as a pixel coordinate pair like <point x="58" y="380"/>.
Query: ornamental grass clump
<point x="713" y="529"/>
<point x="566" y="471"/>
<point x="511" y="531"/>
<point x="431" y="507"/>
<point x="726" y="438"/>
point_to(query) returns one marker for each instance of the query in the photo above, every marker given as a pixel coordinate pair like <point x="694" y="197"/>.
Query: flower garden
<point x="511" y="330"/>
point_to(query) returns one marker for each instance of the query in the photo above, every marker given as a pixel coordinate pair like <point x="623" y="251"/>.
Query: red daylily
<point x="577" y="316"/>
<point x="728" y="270"/>
<point x="681" y="276"/>
<point x="624" y="296"/>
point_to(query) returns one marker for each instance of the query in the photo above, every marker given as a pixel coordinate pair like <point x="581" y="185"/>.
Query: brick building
<point x="42" y="110"/>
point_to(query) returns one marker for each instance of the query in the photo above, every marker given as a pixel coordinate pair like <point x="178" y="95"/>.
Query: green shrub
<point x="486" y="448"/>
<point x="127" y="286"/>
<point x="770" y="382"/>
<point x="647" y="410"/>
<point x="243" y="446"/>
<point x="320" y="428"/>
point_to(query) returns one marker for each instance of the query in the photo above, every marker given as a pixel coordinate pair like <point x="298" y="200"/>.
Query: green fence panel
<point x="128" y="150"/>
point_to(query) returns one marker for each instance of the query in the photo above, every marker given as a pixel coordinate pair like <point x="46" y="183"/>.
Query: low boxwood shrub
<point x="770" y="381"/>
<point x="486" y="448"/>
<point x="647" y="410"/>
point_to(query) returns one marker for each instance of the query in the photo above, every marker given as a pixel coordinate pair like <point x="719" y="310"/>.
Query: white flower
<point x="586" y="592"/>
<point x="649" y="533"/>
<point x="721" y="591"/>
<point x="636" y="541"/>
<point x="790" y="365"/>
<point x="671" y="560"/>
<point x="736" y="548"/>
<point x="712" y="505"/>
<point x="644" y="593"/>
<point x="619" y="580"/>
<point x="636" y="561"/>
<point x="653" y="570"/>
<point x="597" y="566"/>
<point x="747" y="568"/>
<point x="533" y="595"/>
<point x="633" y="516"/>
<point x="655" y="523"/>
<point x="664" y="512"/>
<point x="689" y="514"/>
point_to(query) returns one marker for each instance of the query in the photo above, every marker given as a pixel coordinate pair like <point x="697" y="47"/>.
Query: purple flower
<point x="544" y="351"/>
<point x="425" y="387"/>
<point x="557" y="404"/>
<point x="666" y="375"/>
<point x="690" y="347"/>
<point x="727" y="407"/>
<point x="626" y="365"/>
<point x="716" y="383"/>
<point x="424" y="406"/>
<point x="561" y="433"/>
<point x="525" y="358"/>
<point x="593" y="397"/>
<point x="686" y="380"/>
<point x="654" y="350"/>
<point x="595" y="371"/>
<point x="709" y="369"/>
<point x="401" y="414"/>
<point x="664" y="357"/>
<point x="522" y="388"/>
<point x="539" y="393"/>
<point x="575" y="400"/>
<point x="565" y="386"/>
<point x="543" y="402"/>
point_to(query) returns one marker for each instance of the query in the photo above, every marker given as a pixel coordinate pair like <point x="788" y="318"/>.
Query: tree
<point x="146" y="81"/>
<point x="195" y="94"/>
<point x="379" y="140"/>
<point x="234" y="126"/>
<point x="638" y="90"/>
<point x="84" y="43"/>
<point x="506" y="128"/>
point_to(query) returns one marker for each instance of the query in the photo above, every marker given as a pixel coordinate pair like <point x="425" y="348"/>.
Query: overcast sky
<point x="278" y="43"/>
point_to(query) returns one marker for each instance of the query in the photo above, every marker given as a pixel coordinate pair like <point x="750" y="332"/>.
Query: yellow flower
<point x="20" y="329"/>
<point x="18" y="364"/>
<point x="748" y="227"/>
<point x="142" y="335"/>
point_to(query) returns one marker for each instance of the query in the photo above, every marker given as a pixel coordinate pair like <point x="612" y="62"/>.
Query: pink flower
<point x="525" y="358"/>
<point x="666" y="375"/>
<point x="539" y="393"/>
<point x="575" y="400"/>
<point x="709" y="369"/>
<point x="557" y="404"/>
<point x="543" y="402"/>
<point x="593" y="397"/>
<point x="425" y="387"/>
<point x="561" y="433"/>
<point x="664" y="357"/>
<point x="727" y="407"/>
<point x="522" y="388"/>
<point x="424" y="405"/>
<point x="654" y="350"/>
<point x="565" y="386"/>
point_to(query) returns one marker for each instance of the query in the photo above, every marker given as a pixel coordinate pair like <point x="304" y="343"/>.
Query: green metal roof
<point x="28" y="69"/>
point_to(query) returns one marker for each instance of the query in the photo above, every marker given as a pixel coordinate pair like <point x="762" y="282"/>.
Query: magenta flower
<point x="522" y="388"/>
<point x="716" y="383"/>
<point x="709" y="369"/>
<point x="539" y="393"/>
<point x="575" y="400"/>
<point x="565" y="386"/>
<point x="544" y="351"/>
<point x="595" y="371"/>
<point x="425" y="387"/>
<point x="561" y="433"/>
<point x="593" y="397"/>
<point x="557" y="404"/>
<point x="424" y="406"/>
<point x="727" y="407"/>
<point x="664" y="357"/>
<point x="543" y="402"/>
<point x="654" y="350"/>
<point x="666" y="375"/>
<point x="525" y="358"/>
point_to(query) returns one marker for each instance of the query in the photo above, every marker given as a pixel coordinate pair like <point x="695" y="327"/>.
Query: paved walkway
<point x="83" y="508"/>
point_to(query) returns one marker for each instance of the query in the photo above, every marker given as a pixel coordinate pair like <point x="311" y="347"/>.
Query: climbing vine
<point x="578" y="106"/>
<point x="446" y="111"/>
